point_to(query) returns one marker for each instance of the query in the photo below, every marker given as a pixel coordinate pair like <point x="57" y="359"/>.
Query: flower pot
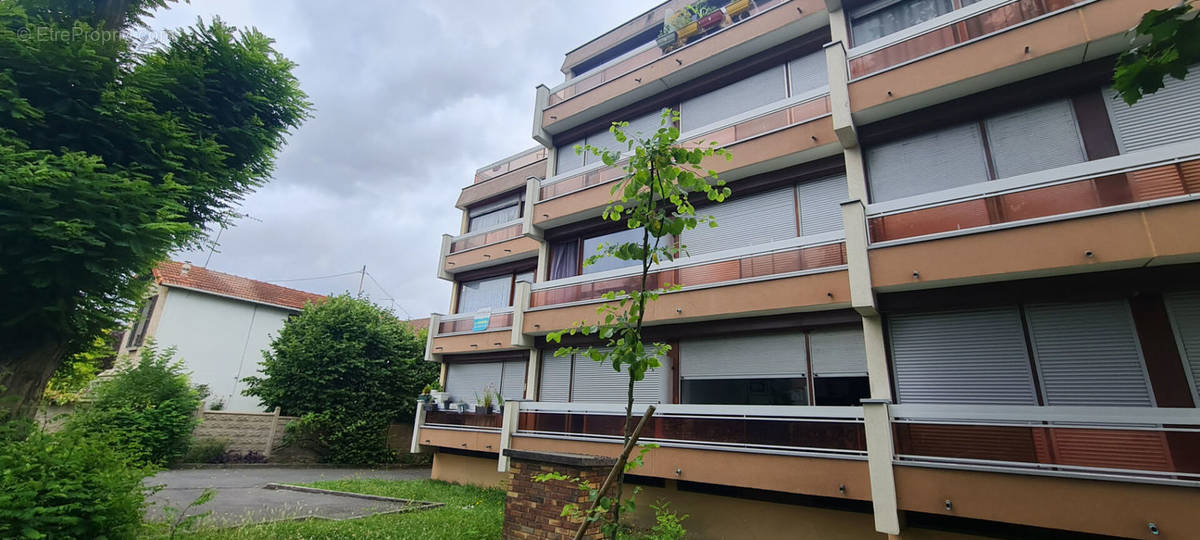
<point x="439" y="397"/>
<point x="429" y="407"/>
<point x="666" y="40"/>
<point x="688" y="31"/>
<point x="737" y="9"/>
<point x="424" y="398"/>
<point x="711" y="20"/>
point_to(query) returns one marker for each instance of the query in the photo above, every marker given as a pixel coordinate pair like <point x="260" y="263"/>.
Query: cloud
<point x="410" y="99"/>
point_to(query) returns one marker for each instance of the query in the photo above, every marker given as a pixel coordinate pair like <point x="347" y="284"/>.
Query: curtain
<point x="489" y="293"/>
<point x="491" y="219"/>
<point x="564" y="259"/>
<point x="888" y="17"/>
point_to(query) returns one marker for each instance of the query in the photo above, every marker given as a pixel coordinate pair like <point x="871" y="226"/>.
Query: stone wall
<point x="245" y="432"/>
<point x="533" y="510"/>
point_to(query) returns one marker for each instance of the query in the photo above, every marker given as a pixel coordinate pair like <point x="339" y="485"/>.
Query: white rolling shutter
<point x="925" y="163"/>
<point x="512" y="380"/>
<point x="838" y="352"/>
<point x="555" y="382"/>
<point x="744" y="357"/>
<point x="466" y="380"/>
<point x="821" y="204"/>
<point x="745" y="221"/>
<point x="597" y="382"/>
<point x="640" y="127"/>
<point x="1035" y="139"/>
<point x="1184" y="310"/>
<point x="565" y="158"/>
<point x="1088" y="354"/>
<point x="733" y="99"/>
<point x="807" y="73"/>
<point x="1169" y="115"/>
<point x="976" y="356"/>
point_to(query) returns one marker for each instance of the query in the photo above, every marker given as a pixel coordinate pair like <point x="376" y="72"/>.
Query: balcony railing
<point x="970" y="23"/>
<point x="1155" y="176"/>
<point x="1114" y="443"/>
<point x="500" y="233"/>
<point x="489" y="422"/>
<point x="637" y="58"/>
<point x="776" y="259"/>
<point x="507" y="165"/>
<point x="745" y="126"/>
<point x="464" y="323"/>
<point x="835" y="432"/>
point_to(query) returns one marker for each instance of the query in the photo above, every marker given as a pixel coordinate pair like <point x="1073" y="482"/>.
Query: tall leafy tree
<point x="113" y="153"/>
<point x="1168" y="43"/>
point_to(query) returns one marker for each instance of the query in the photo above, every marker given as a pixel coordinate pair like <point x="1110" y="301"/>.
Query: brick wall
<point x="533" y="510"/>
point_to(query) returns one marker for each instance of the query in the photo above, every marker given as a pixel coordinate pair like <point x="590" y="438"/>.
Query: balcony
<point x="983" y="45"/>
<point x="1123" y="211"/>
<point x="781" y="134"/>
<point x="479" y="432"/>
<point x="504" y="176"/>
<point x="646" y="71"/>
<point x="503" y="243"/>
<point x="471" y="332"/>
<point x="800" y="274"/>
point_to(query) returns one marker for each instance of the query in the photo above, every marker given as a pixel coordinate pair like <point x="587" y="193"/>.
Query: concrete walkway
<point x="242" y="499"/>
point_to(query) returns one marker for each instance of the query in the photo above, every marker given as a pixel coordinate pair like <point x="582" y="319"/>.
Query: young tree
<point x="655" y="196"/>
<point x="112" y="154"/>
<point x="350" y="367"/>
<point x="1172" y="46"/>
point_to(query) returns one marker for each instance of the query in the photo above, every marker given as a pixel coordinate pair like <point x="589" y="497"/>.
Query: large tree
<point x="113" y="153"/>
<point x="1166" y="43"/>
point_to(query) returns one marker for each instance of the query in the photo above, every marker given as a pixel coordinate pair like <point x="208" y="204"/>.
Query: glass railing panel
<point x="497" y="321"/>
<point x="466" y="419"/>
<point x="484" y="238"/>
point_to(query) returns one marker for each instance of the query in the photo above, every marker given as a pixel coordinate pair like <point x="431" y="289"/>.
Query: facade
<point x="951" y="296"/>
<point x="219" y="325"/>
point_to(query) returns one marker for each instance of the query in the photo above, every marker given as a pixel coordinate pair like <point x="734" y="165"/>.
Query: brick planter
<point x="533" y="510"/>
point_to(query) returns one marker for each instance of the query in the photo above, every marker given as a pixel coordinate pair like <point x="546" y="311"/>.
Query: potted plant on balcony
<point x="737" y="10"/>
<point x="425" y="397"/>
<point x="685" y="25"/>
<point x="707" y="17"/>
<point x="666" y="38"/>
<point x="437" y="395"/>
<point x="485" y="403"/>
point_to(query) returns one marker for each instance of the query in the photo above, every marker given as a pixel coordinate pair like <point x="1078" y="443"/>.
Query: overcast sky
<point x="410" y="98"/>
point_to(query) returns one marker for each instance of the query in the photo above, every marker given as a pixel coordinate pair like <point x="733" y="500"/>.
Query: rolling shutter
<point x="1088" y="354"/>
<point x="748" y="221"/>
<point x="807" y="73"/>
<point x="555" y="382"/>
<point x="1184" y="309"/>
<point x="640" y="127"/>
<point x="733" y="99"/>
<point x="597" y="382"/>
<point x="976" y="356"/>
<point x="925" y="163"/>
<point x="484" y="294"/>
<point x="464" y="381"/>
<point x="565" y="158"/>
<point x="743" y="357"/>
<point x="821" y="205"/>
<point x="1169" y="115"/>
<point x="512" y="380"/>
<point x="1035" y="139"/>
<point x="838" y="352"/>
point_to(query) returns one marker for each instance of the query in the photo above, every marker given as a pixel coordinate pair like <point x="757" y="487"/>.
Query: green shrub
<point x="206" y="451"/>
<point x="67" y="485"/>
<point x="149" y="410"/>
<point x="357" y="438"/>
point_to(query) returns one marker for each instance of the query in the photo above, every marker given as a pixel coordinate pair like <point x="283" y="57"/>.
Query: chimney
<point x="187" y="265"/>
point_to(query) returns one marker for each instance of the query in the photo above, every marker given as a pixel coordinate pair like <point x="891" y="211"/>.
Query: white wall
<point x="220" y="340"/>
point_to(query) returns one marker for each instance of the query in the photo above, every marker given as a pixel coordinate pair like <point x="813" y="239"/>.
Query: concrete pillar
<point x="520" y="304"/>
<point x="512" y="414"/>
<point x="447" y="240"/>
<point x="533" y="190"/>
<point x="839" y="94"/>
<point x="854" y="220"/>
<point x="415" y="446"/>
<point x="533" y="374"/>
<point x="435" y="321"/>
<point x="540" y="102"/>
<point x="879" y="462"/>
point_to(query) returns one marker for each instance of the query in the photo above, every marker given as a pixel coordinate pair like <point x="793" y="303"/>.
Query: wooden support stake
<point x="617" y="468"/>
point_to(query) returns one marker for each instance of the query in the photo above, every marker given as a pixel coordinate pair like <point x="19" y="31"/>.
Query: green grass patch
<point x="470" y="512"/>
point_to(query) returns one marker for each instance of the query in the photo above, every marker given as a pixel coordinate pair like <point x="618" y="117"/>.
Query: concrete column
<point x="441" y="269"/>
<point x="435" y="320"/>
<point x="877" y="370"/>
<point x="512" y="415"/>
<point x="533" y="190"/>
<point x="465" y="226"/>
<point x="854" y="220"/>
<point x="415" y="446"/>
<point x="839" y="94"/>
<point x="520" y="304"/>
<point x="540" y="102"/>
<point x="533" y="374"/>
<point x="878" y="427"/>
<point x="856" y="173"/>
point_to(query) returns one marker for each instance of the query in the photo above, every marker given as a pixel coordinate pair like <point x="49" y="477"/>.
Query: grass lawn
<point x="470" y="512"/>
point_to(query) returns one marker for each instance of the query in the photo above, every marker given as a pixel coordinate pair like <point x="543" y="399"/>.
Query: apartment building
<point x="953" y="294"/>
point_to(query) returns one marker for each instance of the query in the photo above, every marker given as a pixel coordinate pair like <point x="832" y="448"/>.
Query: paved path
<point x="241" y="498"/>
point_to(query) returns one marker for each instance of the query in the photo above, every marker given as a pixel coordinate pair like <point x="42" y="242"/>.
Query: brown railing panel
<point x="1136" y="186"/>
<point x="985" y="23"/>
<point x="489" y="420"/>
<point x="793" y="260"/>
<point x="497" y="321"/>
<point x="490" y="237"/>
<point x="510" y="165"/>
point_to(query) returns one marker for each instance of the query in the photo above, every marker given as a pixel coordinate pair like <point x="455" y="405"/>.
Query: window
<point x="137" y="334"/>
<point x="488" y="216"/>
<point x="774" y="369"/>
<point x="578" y="378"/>
<point x="467" y="381"/>
<point x="731" y="100"/>
<point x="489" y="293"/>
<point x="887" y="17"/>
<point x="1169" y="115"/>
<point x="567" y="256"/>
<point x="1084" y="353"/>
<point x="1030" y="139"/>
<point x="566" y="160"/>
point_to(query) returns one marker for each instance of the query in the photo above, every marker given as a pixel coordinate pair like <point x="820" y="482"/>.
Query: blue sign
<point x="481" y="322"/>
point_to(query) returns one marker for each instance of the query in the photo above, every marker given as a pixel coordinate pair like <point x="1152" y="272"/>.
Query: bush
<point x="338" y="437"/>
<point x="347" y="367"/>
<point x="67" y="485"/>
<point x="206" y="451"/>
<point x="148" y="409"/>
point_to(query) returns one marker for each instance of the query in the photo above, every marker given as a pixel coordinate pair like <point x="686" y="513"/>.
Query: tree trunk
<point x="24" y="371"/>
